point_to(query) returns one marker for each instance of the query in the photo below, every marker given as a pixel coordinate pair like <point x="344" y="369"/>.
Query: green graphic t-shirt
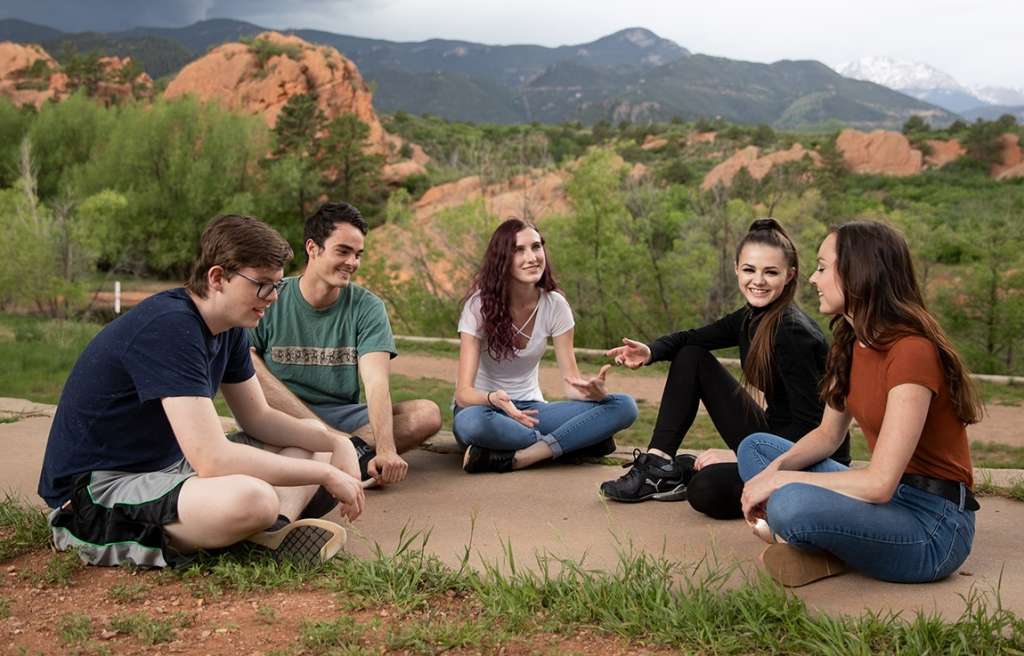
<point x="315" y="352"/>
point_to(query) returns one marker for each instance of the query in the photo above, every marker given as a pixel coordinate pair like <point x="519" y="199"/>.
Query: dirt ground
<point x="204" y="621"/>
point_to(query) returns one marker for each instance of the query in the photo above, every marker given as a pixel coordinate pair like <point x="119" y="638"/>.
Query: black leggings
<point x="697" y="376"/>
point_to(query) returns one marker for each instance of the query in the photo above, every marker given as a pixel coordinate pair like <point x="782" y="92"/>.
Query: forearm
<point x="279" y="429"/>
<point x="471" y="396"/>
<point x="864" y="484"/>
<point x="812" y="448"/>
<point x="378" y="402"/>
<point x="277" y="393"/>
<point x="230" y="459"/>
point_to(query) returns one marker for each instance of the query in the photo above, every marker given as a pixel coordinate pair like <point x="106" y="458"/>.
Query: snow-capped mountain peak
<point x="999" y="95"/>
<point x="900" y="74"/>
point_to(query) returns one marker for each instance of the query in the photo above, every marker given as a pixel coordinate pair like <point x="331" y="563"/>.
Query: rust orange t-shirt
<point x="942" y="452"/>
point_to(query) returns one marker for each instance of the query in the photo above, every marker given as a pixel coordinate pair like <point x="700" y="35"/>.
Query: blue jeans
<point x="564" y="425"/>
<point x="914" y="538"/>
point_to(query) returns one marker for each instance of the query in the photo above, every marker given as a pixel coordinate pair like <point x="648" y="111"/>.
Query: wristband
<point x="489" y="398"/>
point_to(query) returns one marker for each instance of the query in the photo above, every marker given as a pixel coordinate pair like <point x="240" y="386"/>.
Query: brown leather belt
<point x="945" y="489"/>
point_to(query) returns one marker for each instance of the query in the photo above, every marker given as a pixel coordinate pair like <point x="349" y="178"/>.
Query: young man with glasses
<point x="137" y="466"/>
<point x="324" y="335"/>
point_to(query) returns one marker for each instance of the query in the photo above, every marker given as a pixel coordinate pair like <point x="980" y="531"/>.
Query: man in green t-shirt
<point x="323" y="335"/>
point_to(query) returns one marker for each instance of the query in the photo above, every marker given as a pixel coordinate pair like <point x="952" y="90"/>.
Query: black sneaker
<point x="478" y="459"/>
<point x="649" y="477"/>
<point x="305" y="541"/>
<point x="365" y="453"/>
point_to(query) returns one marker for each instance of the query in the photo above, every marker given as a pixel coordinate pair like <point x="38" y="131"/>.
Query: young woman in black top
<point x="783" y="356"/>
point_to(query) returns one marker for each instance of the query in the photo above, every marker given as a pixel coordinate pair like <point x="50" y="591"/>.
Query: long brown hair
<point x="757" y="367"/>
<point x="492" y="281"/>
<point x="876" y="275"/>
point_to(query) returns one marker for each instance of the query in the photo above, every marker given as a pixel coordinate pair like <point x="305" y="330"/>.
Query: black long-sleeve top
<point x="793" y="405"/>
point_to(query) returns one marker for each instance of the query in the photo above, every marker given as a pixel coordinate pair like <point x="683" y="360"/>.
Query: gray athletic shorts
<point x="345" y="418"/>
<point x="116" y="517"/>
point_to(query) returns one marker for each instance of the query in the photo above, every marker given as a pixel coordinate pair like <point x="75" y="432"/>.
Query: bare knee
<point x="421" y="418"/>
<point x="250" y="503"/>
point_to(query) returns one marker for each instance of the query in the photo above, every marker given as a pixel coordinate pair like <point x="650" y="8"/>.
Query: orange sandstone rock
<point x="653" y="142"/>
<point x="881" y="151"/>
<point x="758" y="167"/>
<point x="943" y="152"/>
<point x="233" y="75"/>
<point x="20" y="88"/>
<point x="700" y="137"/>
<point x="1009" y="157"/>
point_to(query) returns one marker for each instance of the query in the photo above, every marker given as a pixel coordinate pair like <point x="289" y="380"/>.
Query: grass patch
<point x="74" y="629"/>
<point x="1001" y="394"/>
<point x="327" y="636"/>
<point x="22" y="529"/>
<point x="38" y="355"/>
<point x="61" y="569"/>
<point x="997" y="456"/>
<point x="146" y="629"/>
<point x="5" y="608"/>
<point x="126" y="593"/>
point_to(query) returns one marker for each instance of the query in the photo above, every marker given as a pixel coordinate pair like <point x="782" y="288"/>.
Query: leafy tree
<point x="84" y="72"/>
<point x="351" y="173"/>
<point x="982" y="141"/>
<point x="915" y="124"/>
<point x="297" y="150"/>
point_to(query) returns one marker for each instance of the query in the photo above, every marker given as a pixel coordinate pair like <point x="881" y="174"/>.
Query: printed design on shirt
<point x="312" y="355"/>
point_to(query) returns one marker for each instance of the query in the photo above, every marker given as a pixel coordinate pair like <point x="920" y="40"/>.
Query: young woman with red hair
<point x="501" y="415"/>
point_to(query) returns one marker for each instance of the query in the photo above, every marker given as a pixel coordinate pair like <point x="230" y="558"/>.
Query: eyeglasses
<point x="264" y="289"/>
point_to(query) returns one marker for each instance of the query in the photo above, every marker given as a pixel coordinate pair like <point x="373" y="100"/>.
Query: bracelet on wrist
<point x="489" y="402"/>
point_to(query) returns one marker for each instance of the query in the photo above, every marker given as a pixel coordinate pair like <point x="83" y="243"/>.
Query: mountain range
<point x="631" y="75"/>
<point x="934" y="86"/>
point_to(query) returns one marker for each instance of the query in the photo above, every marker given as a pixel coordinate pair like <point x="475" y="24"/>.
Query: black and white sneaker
<point x="305" y="541"/>
<point x="649" y="477"/>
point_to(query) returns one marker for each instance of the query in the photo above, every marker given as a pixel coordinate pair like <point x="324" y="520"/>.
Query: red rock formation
<point x="233" y="75"/>
<point x="23" y="88"/>
<point x="882" y="152"/>
<point x="1009" y="156"/>
<point x="943" y="152"/>
<point x="725" y="171"/>
<point x="653" y="142"/>
<point x="1012" y="172"/>
<point x="758" y="167"/>
<point x="115" y="88"/>
<point x="700" y="137"/>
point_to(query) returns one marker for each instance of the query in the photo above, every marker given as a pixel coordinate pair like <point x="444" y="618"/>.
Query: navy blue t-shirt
<point x="110" y="416"/>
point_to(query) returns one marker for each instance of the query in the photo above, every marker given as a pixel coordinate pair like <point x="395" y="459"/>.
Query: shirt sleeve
<point x="469" y="320"/>
<point x="239" y="368"/>
<point x="914" y="360"/>
<point x="373" y="330"/>
<point x="800" y="368"/>
<point x="721" y="334"/>
<point x="561" y="319"/>
<point x="168" y="358"/>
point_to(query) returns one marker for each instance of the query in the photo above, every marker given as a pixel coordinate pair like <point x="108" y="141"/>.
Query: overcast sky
<point x="976" y="41"/>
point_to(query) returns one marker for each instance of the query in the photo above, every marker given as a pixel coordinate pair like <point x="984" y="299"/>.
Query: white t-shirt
<point x="518" y="376"/>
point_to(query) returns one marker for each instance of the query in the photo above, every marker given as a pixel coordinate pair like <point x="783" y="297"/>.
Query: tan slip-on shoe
<point x="794" y="567"/>
<point x="307" y="541"/>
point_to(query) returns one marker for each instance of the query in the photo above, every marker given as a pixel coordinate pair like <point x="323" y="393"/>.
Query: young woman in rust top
<point x="909" y="515"/>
